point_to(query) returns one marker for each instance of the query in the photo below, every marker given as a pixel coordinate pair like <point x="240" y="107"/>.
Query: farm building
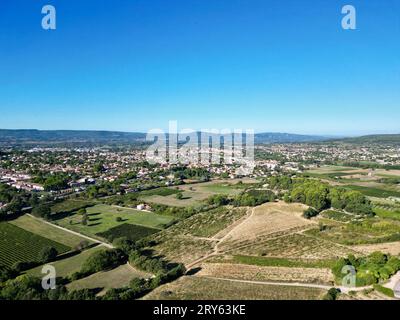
<point x="143" y="207"/>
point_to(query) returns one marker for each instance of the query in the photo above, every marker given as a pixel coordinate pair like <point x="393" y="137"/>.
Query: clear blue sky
<point x="269" y="65"/>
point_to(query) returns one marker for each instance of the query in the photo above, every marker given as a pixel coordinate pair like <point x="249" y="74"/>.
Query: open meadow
<point x="68" y="265"/>
<point x="44" y="229"/>
<point x="194" y="193"/>
<point x="102" y="218"/>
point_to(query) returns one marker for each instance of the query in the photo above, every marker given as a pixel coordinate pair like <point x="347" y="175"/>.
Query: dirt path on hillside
<point x="219" y="240"/>
<point x="290" y="284"/>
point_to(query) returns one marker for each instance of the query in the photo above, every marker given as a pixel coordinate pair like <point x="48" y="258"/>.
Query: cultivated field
<point x="67" y="266"/>
<point x="46" y="230"/>
<point x="195" y="193"/>
<point x="19" y="245"/>
<point x="366" y="231"/>
<point x="209" y="223"/>
<point x="200" y="288"/>
<point x="70" y="205"/>
<point x="104" y="217"/>
<point x="295" y="246"/>
<point x="389" y="247"/>
<point x="266" y="221"/>
<point x="115" y="278"/>
<point x="257" y="273"/>
<point x="192" y="238"/>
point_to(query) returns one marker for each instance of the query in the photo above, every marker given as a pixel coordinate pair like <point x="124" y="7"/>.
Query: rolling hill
<point x="32" y="137"/>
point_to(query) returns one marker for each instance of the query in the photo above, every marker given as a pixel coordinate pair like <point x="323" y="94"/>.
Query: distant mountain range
<point x="80" y="137"/>
<point x="276" y="137"/>
<point x="389" y="139"/>
<point x="32" y="137"/>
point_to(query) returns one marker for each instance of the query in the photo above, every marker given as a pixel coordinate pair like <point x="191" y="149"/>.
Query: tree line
<point x="320" y="195"/>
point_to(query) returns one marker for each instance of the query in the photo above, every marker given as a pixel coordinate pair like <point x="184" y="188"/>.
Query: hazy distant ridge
<point x="32" y="136"/>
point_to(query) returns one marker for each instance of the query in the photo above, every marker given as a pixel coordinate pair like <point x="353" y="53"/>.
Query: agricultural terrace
<point x="345" y="171"/>
<point x="201" y="288"/>
<point x="192" y="238"/>
<point x="194" y="193"/>
<point x="69" y="265"/>
<point x="267" y="220"/>
<point x="294" y="246"/>
<point x="46" y="230"/>
<point x="267" y="273"/>
<point x="102" y="218"/>
<point x="19" y="245"/>
<point x="115" y="278"/>
<point x="366" y="231"/>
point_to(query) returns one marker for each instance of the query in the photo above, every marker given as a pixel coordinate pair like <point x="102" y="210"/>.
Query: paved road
<point x="73" y="232"/>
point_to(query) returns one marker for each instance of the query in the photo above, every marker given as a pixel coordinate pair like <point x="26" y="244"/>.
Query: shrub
<point x="386" y="291"/>
<point x="47" y="254"/>
<point x="332" y="294"/>
<point x="103" y="260"/>
<point x="310" y="213"/>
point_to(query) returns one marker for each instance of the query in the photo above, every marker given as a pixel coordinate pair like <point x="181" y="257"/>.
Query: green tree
<point x="47" y="254"/>
<point x="42" y="211"/>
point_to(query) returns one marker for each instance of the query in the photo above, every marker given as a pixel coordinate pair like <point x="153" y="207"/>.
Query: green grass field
<point x="189" y="199"/>
<point x="337" y="215"/>
<point x="331" y="169"/>
<point x="42" y="228"/>
<point x="116" y="278"/>
<point x="69" y="265"/>
<point x="225" y="188"/>
<point x="282" y="262"/>
<point x="366" y="231"/>
<point x="385" y="213"/>
<point x="70" y="205"/>
<point x="19" y="245"/>
<point x="194" y="194"/>
<point x="375" y="192"/>
<point x="103" y="217"/>
<point x="159" y="192"/>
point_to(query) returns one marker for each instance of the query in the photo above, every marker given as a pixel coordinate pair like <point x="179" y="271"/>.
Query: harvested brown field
<point x="388" y="247"/>
<point x="257" y="273"/>
<point x="184" y="249"/>
<point x="198" y="288"/>
<point x="296" y="246"/>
